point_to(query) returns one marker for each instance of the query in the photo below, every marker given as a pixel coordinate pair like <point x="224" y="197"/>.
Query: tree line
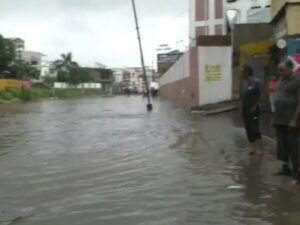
<point x="65" y="68"/>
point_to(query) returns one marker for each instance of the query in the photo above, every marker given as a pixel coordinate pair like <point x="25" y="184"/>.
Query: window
<point x="34" y="63"/>
<point x="201" y="31"/>
<point x="218" y="9"/>
<point x="202" y="10"/>
<point x="219" y="29"/>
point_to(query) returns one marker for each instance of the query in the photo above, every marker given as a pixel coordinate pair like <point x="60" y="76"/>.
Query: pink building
<point x="207" y="17"/>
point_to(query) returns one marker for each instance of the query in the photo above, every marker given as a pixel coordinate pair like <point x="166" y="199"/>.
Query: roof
<point x="16" y="39"/>
<point x="33" y="53"/>
<point x="100" y="65"/>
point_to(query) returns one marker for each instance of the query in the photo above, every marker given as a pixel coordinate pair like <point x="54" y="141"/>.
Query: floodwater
<point x="109" y="162"/>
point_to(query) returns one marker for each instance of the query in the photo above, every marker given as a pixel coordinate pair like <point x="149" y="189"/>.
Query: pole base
<point x="149" y="107"/>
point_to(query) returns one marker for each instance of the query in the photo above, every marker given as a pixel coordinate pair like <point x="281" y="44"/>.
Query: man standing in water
<point x="251" y="110"/>
<point x="286" y="120"/>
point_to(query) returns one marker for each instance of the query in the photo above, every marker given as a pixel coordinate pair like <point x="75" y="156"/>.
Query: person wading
<point x="251" y="110"/>
<point x="286" y="120"/>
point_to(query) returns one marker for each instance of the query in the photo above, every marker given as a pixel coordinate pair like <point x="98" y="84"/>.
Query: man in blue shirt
<point x="251" y="110"/>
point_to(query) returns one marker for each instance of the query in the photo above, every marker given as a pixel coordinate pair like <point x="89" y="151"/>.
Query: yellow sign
<point x="9" y="84"/>
<point x="212" y="73"/>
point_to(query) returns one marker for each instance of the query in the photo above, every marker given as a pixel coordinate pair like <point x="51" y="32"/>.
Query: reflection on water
<point x="107" y="161"/>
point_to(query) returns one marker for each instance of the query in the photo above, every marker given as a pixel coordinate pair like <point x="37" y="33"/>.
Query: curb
<point x="215" y="111"/>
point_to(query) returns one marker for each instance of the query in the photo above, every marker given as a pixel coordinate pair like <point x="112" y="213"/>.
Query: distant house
<point x="38" y="61"/>
<point x="34" y="59"/>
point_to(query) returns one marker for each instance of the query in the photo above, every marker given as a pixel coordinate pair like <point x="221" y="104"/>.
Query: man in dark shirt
<point x="251" y="110"/>
<point x="286" y="120"/>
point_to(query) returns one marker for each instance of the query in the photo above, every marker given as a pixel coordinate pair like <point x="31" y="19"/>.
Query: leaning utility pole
<point x="149" y="105"/>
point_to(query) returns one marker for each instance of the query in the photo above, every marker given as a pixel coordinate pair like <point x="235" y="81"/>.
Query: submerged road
<point x="106" y="161"/>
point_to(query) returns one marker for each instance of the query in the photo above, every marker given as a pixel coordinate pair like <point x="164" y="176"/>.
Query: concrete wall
<point x="179" y="71"/>
<point x="261" y="15"/>
<point x="180" y="84"/>
<point x="202" y="76"/>
<point x="215" y="74"/>
<point x="250" y="33"/>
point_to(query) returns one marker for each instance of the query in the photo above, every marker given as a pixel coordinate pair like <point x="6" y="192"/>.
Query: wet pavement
<point x="107" y="161"/>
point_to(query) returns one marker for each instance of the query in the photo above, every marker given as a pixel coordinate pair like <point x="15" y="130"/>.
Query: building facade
<point x="207" y="17"/>
<point x="19" y="45"/>
<point x="285" y="18"/>
<point x="210" y="17"/>
<point x="39" y="62"/>
<point x="285" y="21"/>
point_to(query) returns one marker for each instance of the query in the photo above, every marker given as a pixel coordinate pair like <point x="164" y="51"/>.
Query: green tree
<point x="65" y="68"/>
<point x="65" y="64"/>
<point x="81" y="75"/>
<point x="23" y="70"/>
<point x="7" y="53"/>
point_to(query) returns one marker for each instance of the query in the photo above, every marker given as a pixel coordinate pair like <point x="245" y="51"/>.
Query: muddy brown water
<point x="109" y="162"/>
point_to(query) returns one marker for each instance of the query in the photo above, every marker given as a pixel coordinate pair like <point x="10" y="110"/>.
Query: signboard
<point x="212" y="73"/>
<point x="167" y="58"/>
<point x="9" y="84"/>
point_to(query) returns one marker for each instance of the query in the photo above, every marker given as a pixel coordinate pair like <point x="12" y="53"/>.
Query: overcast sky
<point x="95" y="30"/>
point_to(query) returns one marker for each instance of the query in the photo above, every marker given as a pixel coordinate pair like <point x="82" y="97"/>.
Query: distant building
<point x="39" y="62"/>
<point x="285" y="18"/>
<point x="133" y="78"/>
<point x="34" y="59"/>
<point x="118" y="75"/>
<point x="209" y="17"/>
<point x="19" y="45"/>
<point x="250" y="11"/>
<point x="166" y="60"/>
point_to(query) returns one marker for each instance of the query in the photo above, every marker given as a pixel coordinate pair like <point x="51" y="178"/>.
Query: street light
<point x="149" y="105"/>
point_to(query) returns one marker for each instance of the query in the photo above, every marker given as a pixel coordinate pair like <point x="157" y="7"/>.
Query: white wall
<point x="219" y="89"/>
<point x="60" y="85"/>
<point x="180" y="70"/>
<point x="263" y="15"/>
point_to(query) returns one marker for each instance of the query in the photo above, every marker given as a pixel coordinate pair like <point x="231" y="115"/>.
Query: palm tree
<point x="65" y="67"/>
<point x="65" y="64"/>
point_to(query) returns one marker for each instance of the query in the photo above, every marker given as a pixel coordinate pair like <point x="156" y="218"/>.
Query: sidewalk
<point x="217" y="108"/>
<point x="212" y="109"/>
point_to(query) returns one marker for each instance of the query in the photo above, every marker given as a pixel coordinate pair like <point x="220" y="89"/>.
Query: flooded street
<point x="109" y="162"/>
